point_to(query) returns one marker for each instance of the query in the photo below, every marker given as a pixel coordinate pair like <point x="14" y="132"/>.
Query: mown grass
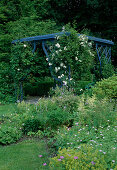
<point x="24" y="156"/>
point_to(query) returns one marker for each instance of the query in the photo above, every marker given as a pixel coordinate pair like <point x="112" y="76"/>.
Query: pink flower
<point x="59" y="159"/>
<point x="44" y="164"/>
<point x="69" y="155"/>
<point x="75" y="157"/>
<point x="69" y="128"/>
<point x="62" y="157"/>
<point x="93" y="163"/>
<point x="40" y="156"/>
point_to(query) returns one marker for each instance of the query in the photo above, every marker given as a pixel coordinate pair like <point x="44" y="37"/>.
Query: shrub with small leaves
<point x="84" y="158"/>
<point x="106" y="87"/>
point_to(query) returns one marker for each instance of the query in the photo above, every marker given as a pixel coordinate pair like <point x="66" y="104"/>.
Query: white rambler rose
<point x="50" y="64"/>
<point x="64" y="66"/>
<point x="80" y="61"/>
<point x="25" y="45"/>
<point x="61" y="64"/>
<point x="65" y="82"/>
<point x="82" y="43"/>
<point x="76" y="58"/>
<point x="18" y="69"/>
<point x="57" y="45"/>
<point x="81" y="89"/>
<point x="57" y="52"/>
<point x="59" y="68"/>
<point x="65" y="48"/>
<point x="71" y="79"/>
<point x="47" y="59"/>
<point x="62" y="75"/>
<point x="90" y="44"/>
<point x="56" y="69"/>
<point x="60" y="50"/>
<point x="59" y="77"/>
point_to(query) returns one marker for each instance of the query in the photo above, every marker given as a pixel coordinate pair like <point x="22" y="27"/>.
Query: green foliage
<point x="38" y="134"/>
<point x="95" y="112"/>
<point x="9" y="134"/>
<point x="31" y="125"/>
<point x="38" y="87"/>
<point x="57" y="117"/>
<point x="66" y="99"/>
<point x="84" y="158"/>
<point x="106" y="87"/>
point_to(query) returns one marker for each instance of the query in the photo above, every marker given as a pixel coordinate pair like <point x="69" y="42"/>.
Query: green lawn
<point x="24" y="156"/>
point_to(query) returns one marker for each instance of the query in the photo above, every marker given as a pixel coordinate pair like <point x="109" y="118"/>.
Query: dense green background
<point x="22" y="18"/>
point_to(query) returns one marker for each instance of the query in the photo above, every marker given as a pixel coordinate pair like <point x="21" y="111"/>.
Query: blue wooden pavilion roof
<point x="53" y="36"/>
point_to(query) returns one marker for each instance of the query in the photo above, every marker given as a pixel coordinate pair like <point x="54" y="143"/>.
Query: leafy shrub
<point x="9" y="134"/>
<point x="83" y="158"/>
<point x="106" y="87"/>
<point x="31" y="125"/>
<point x="39" y="87"/>
<point x="95" y="112"/>
<point x="57" y="117"/>
<point x="38" y="134"/>
<point x="65" y="99"/>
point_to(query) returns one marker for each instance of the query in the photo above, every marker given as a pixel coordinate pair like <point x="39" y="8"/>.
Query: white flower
<point x="113" y="161"/>
<point x="62" y="75"/>
<point x="63" y="28"/>
<point x="76" y="58"/>
<point x="65" y="82"/>
<point x="81" y="89"/>
<point x="82" y="43"/>
<point x="61" y="64"/>
<point x="18" y="69"/>
<point x="90" y="44"/>
<point x="57" y="45"/>
<point x="64" y="66"/>
<point x="70" y="78"/>
<point x="65" y="48"/>
<point x="47" y="59"/>
<point x="59" y="77"/>
<point x="50" y="64"/>
<point x="57" y="52"/>
<point x="25" y="45"/>
<point x="80" y="61"/>
<point x="56" y="69"/>
<point x="60" y="50"/>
